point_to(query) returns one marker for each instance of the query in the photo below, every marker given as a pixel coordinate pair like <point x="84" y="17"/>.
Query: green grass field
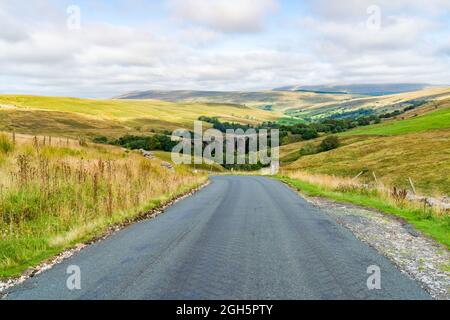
<point x="435" y="120"/>
<point x="395" y="150"/>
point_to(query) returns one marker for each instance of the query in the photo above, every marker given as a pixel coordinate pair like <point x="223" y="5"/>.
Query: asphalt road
<point x="239" y="238"/>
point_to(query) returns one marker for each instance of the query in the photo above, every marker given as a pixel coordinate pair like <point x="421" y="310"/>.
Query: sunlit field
<point x="55" y="193"/>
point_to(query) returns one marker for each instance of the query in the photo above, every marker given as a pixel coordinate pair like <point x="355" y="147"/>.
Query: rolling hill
<point x="266" y="100"/>
<point x="361" y="89"/>
<point x="86" y="117"/>
<point x="408" y="145"/>
<point x="370" y="104"/>
<point x="417" y="148"/>
<point x="312" y="103"/>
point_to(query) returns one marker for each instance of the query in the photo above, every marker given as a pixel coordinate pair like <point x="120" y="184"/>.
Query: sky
<point x="104" y="48"/>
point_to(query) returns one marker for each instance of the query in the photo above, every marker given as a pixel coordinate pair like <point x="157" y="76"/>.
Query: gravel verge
<point x="415" y="254"/>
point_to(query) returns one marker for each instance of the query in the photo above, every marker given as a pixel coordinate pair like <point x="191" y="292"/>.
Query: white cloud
<point x="396" y="33"/>
<point x="102" y="59"/>
<point x="407" y="47"/>
<point x="10" y="29"/>
<point x="357" y="9"/>
<point x="225" y="15"/>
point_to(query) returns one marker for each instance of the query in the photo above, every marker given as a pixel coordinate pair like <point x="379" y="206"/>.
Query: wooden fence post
<point x="412" y="185"/>
<point x="357" y="176"/>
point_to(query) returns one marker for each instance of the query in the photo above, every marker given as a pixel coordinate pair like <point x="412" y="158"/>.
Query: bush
<point x="309" y="134"/>
<point x="6" y="144"/>
<point x="100" y="139"/>
<point x="132" y="142"/>
<point x="329" y="143"/>
<point x="308" y="149"/>
<point x="156" y="142"/>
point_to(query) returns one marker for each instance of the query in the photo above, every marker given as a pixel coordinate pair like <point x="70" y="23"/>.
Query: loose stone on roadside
<point x="422" y="258"/>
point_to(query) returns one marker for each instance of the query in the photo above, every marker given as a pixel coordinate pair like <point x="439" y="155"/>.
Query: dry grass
<point x="56" y="192"/>
<point x="432" y="221"/>
<point x="391" y="195"/>
<point x="423" y="156"/>
<point x="88" y="117"/>
<point x="325" y="181"/>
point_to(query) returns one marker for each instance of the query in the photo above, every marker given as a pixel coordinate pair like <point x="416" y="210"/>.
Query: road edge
<point x="312" y="200"/>
<point x="49" y="263"/>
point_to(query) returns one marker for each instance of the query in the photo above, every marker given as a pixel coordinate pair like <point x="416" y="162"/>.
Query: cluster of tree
<point x="155" y="142"/>
<point x="101" y="140"/>
<point x="244" y="167"/>
<point x="352" y="114"/>
<point x="224" y="126"/>
<point x="391" y="114"/>
<point x="412" y="105"/>
<point x="306" y="131"/>
<point x="267" y="107"/>
<point x="311" y="130"/>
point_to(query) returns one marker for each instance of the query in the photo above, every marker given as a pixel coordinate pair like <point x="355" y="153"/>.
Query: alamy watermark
<point x="73" y="282"/>
<point x="373" y="22"/>
<point x="374" y="280"/>
<point x="74" y="17"/>
<point x="234" y="147"/>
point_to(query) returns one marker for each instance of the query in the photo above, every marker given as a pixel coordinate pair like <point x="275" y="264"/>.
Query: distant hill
<point x="236" y="97"/>
<point x="361" y="89"/>
<point x="266" y="100"/>
<point x="60" y="116"/>
<point x="173" y="96"/>
<point x="396" y="149"/>
<point x="310" y="102"/>
<point x="359" y="104"/>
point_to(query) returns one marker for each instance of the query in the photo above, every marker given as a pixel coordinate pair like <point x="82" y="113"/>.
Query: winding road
<point x="239" y="238"/>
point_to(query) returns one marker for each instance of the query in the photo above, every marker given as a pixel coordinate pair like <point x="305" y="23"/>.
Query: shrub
<point x="100" y="139"/>
<point x="399" y="195"/>
<point x="156" y="142"/>
<point x="6" y="144"/>
<point x="329" y="143"/>
<point x="161" y="142"/>
<point x="309" y="134"/>
<point x="308" y="149"/>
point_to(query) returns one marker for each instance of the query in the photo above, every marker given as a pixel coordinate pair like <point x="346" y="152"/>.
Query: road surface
<point x="238" y="238"/>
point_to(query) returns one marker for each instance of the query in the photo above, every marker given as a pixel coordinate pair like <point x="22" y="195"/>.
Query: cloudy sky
<point x="102" y="48"/>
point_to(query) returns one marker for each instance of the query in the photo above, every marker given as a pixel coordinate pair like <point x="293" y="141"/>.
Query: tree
<point x="309" y="134"/>
<point x="329" y="143"/>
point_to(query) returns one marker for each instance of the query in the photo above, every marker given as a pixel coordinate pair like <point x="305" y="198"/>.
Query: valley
<point x="47" y="136"/>
<point x="187" y="152"/>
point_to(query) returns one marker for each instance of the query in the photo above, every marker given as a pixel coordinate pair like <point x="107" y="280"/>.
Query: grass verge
<point x="437" y="227"/>
<point x="55" y="194"/>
